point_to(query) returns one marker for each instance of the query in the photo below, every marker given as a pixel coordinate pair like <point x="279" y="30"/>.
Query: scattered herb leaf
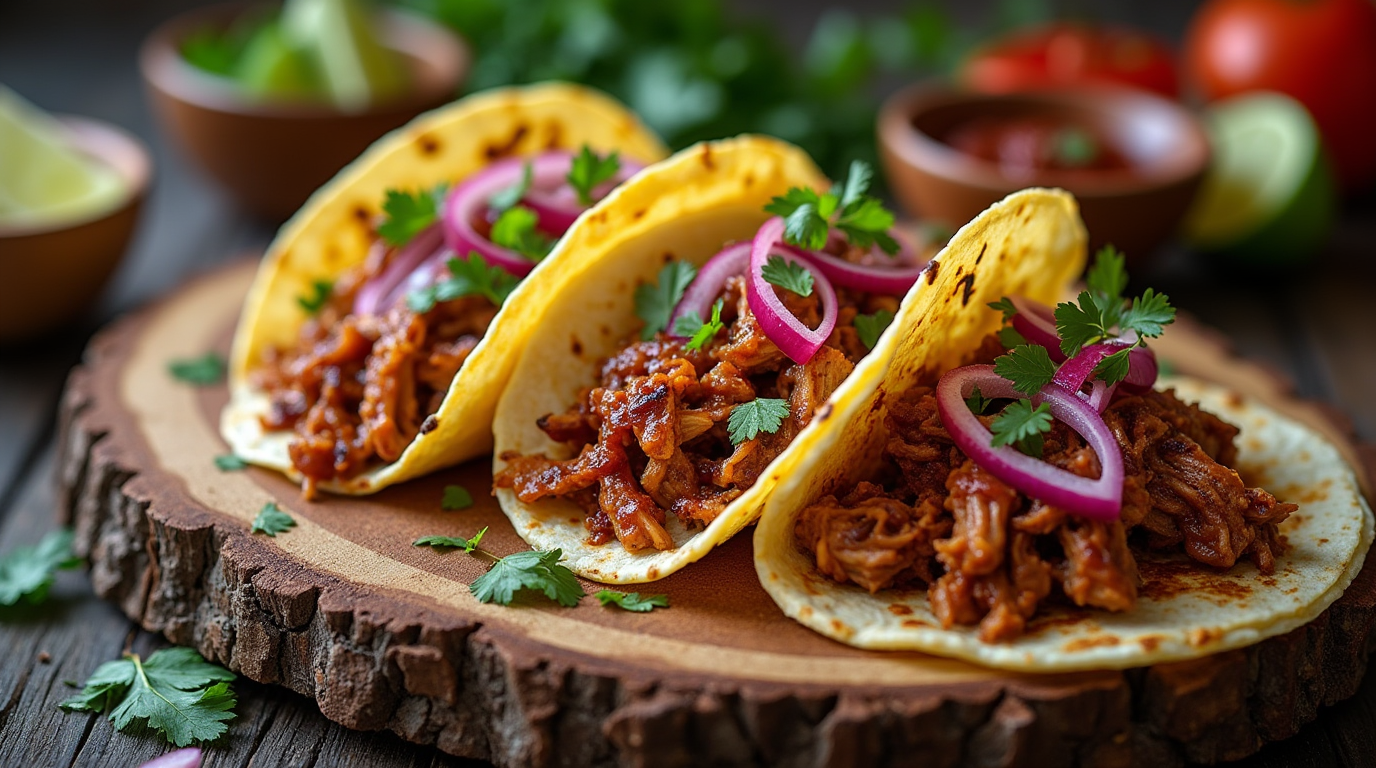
<point x="230" y="463"/>
<point x="1107" y="276"/>
<point x="515" y="230"/>
<point x="871" y="327"/>
<point x="530" y="570"/>
<point x="655" y="303"/>
<point x="1023" y="425"/>
<point x="506" y="199"/>
<point x="405" y="214"/>
<point x="632" y="601"/>
<point x="26" y="573"/>
<point x="748" y="420"/>
<point x="456" y="542"/>
<point x="699" y="334"/>
<point x="589" y="170"/>
<point x="977" y="403"/>
<point x="202" y="371"/>
<point x="467" y="277"/>
<point x="1028" y="367"/>
<point x="809" y="217"/>
<point x="1010" y="338"/>
<point x="456" y="497"/>
<point x="272" y="520"/>
<point x="789" y="275"/>
<point x="318" y="298"/>
<point x="1004" y="305"/>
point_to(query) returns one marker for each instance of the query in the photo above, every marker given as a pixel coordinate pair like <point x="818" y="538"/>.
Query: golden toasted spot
<point x="915" y="623"/>
<point x="1203" y="636"/>
<point x="899" y="609"/>
<point x="639" y="214"/>
<point x="574" y="521"/>
<point x="930" y="271"/>
<point x="575" y="346"/>
<point x="840" y="628"/>
<point x="707" y="161"/>
<point x="668" y="256"/>
<point x="749" y="180"/>
<point x="805" y="612"/>
<point x="555" y="129"/>
<point x="362" y="216"/>
<point x="1093" y="641"/>
<point x="428" y="145"/>
<point x="1150" y="642"/>
<point x="652" y="573"/>
<point x="494" y="151"/>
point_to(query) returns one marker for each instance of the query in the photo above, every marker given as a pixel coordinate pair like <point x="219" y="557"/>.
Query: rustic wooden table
<point x="1314" y="324"/>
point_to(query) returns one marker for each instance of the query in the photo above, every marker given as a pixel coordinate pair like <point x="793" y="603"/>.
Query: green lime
<point x="1269" y="197"/>
<point x="43" y="179"/>
<point x="356" y="68"/>
<point x="272" y="67"/>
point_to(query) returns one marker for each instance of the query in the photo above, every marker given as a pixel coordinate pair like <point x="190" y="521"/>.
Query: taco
<point x="688" y="355"/>
<point x="1020" y="491"/>
<point x="386" y="315"/>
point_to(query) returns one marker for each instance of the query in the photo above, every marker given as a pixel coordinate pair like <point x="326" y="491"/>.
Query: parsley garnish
<point x="589" y="170"/>
<point x="1101" y="313"/>
<point x="747" y="420"/>
<point x="509" y="197"/>
<point x="515" y="230"/>
<point x="406" y="214"/>
<point x="26" y="573"/>
<point x="1023" y="425"/>
<point x="175" y="692"/>
<point x="698" y="333"/>
<point x="871" y="327"/>
<point x="201" y="371"/>
<point x="809" y="217"/>
<point x="467" y="277"/>
<point x="789" y="275"/>
<point x="318" y="298"/>
<point x="531" y="570"/>
<point x="272" y="521"/>
<point x="1028" y="367"/>
<point x="632" y="601"/>
<point x="454" y="542"/>
<point x="456" y="497"/>
<point x="655" y="303"/>
<point x="1004" y="305"/>
<point x="976" y="402"/>
<point x="230" y="463"/>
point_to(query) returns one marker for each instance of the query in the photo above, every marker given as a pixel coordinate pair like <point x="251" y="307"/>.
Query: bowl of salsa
<point x="1134" y="160"/>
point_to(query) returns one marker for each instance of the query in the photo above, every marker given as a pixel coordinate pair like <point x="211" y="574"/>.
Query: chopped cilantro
<point x="1028" y="367"/>
<point x="531" y="570"/>
<point x="809" y="217"/>
<point x="789" y="275"/>
<point x="26" y="573"/>
<point x="175" y="692"/>
<point x="700" y="333"/>
<point x="467" y="277"/>
<point x="1023" y="425"/>
<point x="201" y="371"/>
<point x="406" y="214"/>
<point x="507" y="198"/>
<point x="1101" y="313"/>
<point x="1004" y="305"/>
<point x="1010" y="338"/>
<point x="748" y="420"/>
<point x="632" y="601"/>
<point x="1108" y="275"/>
<point x="515" y="229"/>
<point x="871" y="327"/>
<point x="977" y="403"/>
<point x="272" y="520"/>
<point x="451" y="542"/>
<point x="589" y="170"/>
<point x="318" y="298"/>
<point x="655" y="303"/>
<point x="230" y="463"/>
<point x="456" y="497"/>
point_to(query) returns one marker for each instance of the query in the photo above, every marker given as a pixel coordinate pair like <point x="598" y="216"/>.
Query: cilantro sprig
<point x="506" y="199"/>
<point x="174" y="691"/>
<point x="456" y="497"/>
<point x="271" y="520"/>
<point x="200" y="371"/>
<point x="452" y="542"/>
<point x="26" y="573"/>
<point x="406" y="214"/>
<point x="229" y="462"/>
<point x="319" y="296"/>
<point x="1022" y="425"/>
<point x="748" y="420"/>
<point x="632" y="601"/>
<point x="699" y="333"/>
<point x="870" y="327"/>
<point x="655" y="303"/>
<point x="1100" y="313"/>
<point x="529" y="571"/>
<point x="589" y="170"/>
<point x="515" y="229"/>
<point x="847" y="207"/>
<point x="467" y="277"/>
<point x="789" y="275"/>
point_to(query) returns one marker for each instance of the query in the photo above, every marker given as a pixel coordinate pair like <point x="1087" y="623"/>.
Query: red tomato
<point x="1321" y="52"/>
<point x="1059" y="55"/>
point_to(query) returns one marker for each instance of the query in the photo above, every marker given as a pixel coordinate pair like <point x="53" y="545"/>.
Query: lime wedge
<point x="272" y="67"/>
<point x="1269" y="195"/>
<point x="338" y="34"/>
<point x="43" y="179"/>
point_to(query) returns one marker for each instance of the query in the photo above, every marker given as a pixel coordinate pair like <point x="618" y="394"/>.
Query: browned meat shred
<point x="990" y="556"/>
<point x="652" y="437"/>
<point x="356" y="389"/>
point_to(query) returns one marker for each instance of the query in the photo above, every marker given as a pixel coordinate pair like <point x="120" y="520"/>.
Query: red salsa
<point x="1023" y="145"/>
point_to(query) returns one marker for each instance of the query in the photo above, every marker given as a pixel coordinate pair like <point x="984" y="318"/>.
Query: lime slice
<point x="338" y="34"/>
<point x="1269" y="195"/>
<point x="43" y="179"/>
<point x="271" y="67"/>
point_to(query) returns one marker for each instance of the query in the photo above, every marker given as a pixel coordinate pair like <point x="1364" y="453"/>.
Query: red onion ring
<point x="559" y="207"/>
<point x="379" y="293"/>
<point x="794" y="339"/>
<point x="181" y="758"/>
<point x="1100" y="499"/>
<point x="1037" y="323"/>
<point x="1078" y="370"/>
<point x="707" y="286"/>
<point x="874" y="278"/>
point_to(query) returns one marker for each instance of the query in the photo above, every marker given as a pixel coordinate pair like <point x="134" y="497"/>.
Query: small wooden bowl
<point x="54" y="273"/>
<point x="1135" y="209"/>
<point x="272" y="155"/>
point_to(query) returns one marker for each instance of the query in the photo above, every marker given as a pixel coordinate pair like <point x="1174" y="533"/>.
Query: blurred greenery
<point x="695" y="71"/>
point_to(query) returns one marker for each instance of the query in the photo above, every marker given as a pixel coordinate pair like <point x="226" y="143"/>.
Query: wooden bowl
<point x="54" y="273"/>
<point x="271" y="155"/>
<point x="1135" y="209"/>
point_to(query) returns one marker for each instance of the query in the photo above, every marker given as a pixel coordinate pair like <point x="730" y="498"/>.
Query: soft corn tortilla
<point x="1184" y="610"/>
<point x="333" y="232"/>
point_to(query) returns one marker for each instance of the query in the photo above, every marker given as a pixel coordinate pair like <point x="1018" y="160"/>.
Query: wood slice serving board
<point x="386" y="635"/>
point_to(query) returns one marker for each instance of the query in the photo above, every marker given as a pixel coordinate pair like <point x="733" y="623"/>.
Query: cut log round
<point x="386" y="635"/>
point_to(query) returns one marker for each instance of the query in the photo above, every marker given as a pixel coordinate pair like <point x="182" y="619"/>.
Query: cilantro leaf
<point x="748" y="420"/>
<point x="808" y="217"/>
<point x="467" y="277"/>
<point x="871" y="327"/>
<point x="700" y="334"/>
<point x="977" y="403"/>
<point x="806" y="227"/>
<point x="406" y="214"/>
<point x="456" y="497"/>
<point x="1115" y="367"/>
<point x="632" y="601"/>
<point x="531" y="570"/>
<point x="272" y="520"/>
<point x="201" y="371"/>
<point x="175" y="692"/>
<point x="655" y="303"/>
<point x="589" y="170"/>
<point x="456" y="542"/>
<point x="1148" y="315"/>
<point x="1009" y="337"/>
<point x="26" y="573"/>
<point x="1108" y="277"/>
<point x="1023" y="425"/>
<point x="230" y="463"/>
<point x="858" y="178"/>
<point x="1028" y="367"/>
<point x="318" y="298"/>
<point x="868" y="222"/>
<point x="515" y="229"/>
<point x="505" y="199"/>
<point x="1006" y="306"/>
<point x="789" y="275"/>
<point x="1080" y="325"/>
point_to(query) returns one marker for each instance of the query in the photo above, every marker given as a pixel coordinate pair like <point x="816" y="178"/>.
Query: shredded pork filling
<point x="652" y="438"/>
<point x="988" y="555"/>
<point x="357" y="390"/>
